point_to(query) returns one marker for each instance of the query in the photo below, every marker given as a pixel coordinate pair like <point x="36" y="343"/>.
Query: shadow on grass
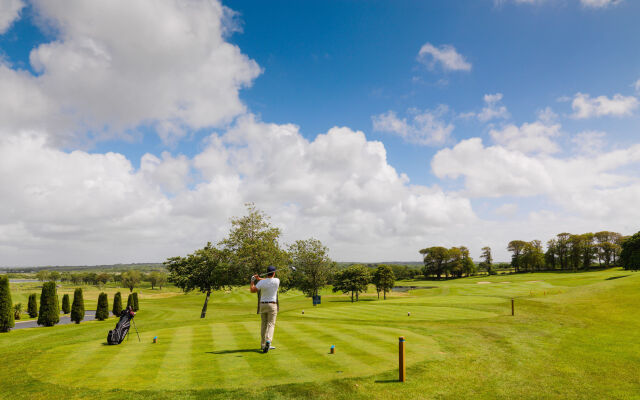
<point x="387" y="381"/>
<point x="616" y="277"/>
<point x="234" y="351"/>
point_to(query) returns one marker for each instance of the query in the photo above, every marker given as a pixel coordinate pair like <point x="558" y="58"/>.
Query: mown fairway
<point x="580" y="340"/>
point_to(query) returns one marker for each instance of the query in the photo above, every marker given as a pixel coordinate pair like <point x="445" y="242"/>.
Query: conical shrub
<point x="102" y="312"/>
<point x="77" y="308"/>
<point x="49" y="307"/>
<point x="66" y="307"/>
<point x="135" y="301"/>
<point x="130" y="301"/>
<point x="117" y="304"/>
<point x="6" y="306"/>
<point x="32" y="307"/>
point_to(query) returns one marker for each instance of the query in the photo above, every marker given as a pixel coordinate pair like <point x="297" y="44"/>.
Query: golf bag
<point x="117" y="335"/>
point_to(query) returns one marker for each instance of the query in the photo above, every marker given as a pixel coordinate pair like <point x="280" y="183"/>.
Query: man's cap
<point x="271" y="268"/>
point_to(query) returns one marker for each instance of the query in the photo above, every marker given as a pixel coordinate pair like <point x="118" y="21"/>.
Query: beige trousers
<point x="268" y="313"/>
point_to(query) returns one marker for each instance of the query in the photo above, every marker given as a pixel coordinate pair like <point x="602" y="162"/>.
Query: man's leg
<point x="263" y="329"/>
<point x="271" y="321"/>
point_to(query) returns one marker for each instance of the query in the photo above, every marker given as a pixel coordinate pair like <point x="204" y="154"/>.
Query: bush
<point x="130" y="301"/>
<point x="17" y="310"/>
<point x="32" y="306"/>
<point x="102" y="312"/>
<point x="135" y="301"/>
<point x="6" y="306"/>
<point x="49" y="309"/>
<point x="77" y="308"/>
<point x="117" y="304"/>
<point x="66" y="307"/>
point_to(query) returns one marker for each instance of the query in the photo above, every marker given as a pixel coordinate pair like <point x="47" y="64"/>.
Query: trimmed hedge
<point x="117" y="304"/>
<point x="136" y="306"/>
<point x="32" y="306"/>
<point x="49" y="307"/>
<point x="66" y="307"/>
<point x="102" y="312"/>
<point x="6" y="306"/>
<point x="77" y="308"/>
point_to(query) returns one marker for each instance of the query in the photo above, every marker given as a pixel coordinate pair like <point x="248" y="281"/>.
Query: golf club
<point x="292" y="268"/>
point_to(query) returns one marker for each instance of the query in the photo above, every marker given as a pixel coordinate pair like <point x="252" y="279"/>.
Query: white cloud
<point x="529" y="137"/>
<point x="491" y="110"/>
<point x="117" y="65"/>
<point x="79" y="207"/>
<point x="595" y="187"/>
<point x="424" y="128"/>
<point x="446" y="55"/>
<point x="589" y="142"/>
<point x="9" y="12"/>
<point x="584" y="106"/>
<point x="636" y="85"/>
<point x="599" y="3"/>
<point x="506" y="210"/>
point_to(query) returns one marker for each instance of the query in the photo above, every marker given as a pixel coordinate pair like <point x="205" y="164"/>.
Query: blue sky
<point x="546" y="86"/>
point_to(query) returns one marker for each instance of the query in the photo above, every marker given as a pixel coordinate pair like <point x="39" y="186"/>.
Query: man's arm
<point x="253" y="287"/>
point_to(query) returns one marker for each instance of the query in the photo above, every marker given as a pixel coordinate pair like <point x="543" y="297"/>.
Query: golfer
<point x="268" y="304"/>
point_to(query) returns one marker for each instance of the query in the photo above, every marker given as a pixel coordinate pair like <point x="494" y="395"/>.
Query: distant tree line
<point x="566" y="251"/>
<point x="128" y="279"/>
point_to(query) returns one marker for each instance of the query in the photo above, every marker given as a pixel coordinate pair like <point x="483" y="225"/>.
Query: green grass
<point x="573" y="336"/>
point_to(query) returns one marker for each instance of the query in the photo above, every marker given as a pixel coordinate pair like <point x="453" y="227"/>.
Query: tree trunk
<point x="204" y="308"/>
<point x="357" y="298"/>
<point x="385" y="294"/>
<point x="378" y="294"/>
<point x="352" y="296"/>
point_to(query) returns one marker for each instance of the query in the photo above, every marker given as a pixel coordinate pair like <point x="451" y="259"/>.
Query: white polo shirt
<point x="268" y="289"/>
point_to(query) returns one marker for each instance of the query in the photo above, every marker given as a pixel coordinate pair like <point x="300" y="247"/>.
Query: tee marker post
<point x="401" y="367"/>
<point x="512" y="308"/>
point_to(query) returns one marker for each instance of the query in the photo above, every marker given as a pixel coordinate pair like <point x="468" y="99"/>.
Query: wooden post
<point x="512" y="308"/>
<point x="401" y="367"/>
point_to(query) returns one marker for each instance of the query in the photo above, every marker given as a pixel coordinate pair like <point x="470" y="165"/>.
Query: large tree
<point x="131" y="279"/>
<point x="630" y="254"/>
<point x="487" y="260"/>
<point x="7" y="320"/>
<point x="49" y="309"/>
<point x="206" y="270"/>
<point x="516" y="247"/>
<point x="253" y="245"/>
<point x="354" y="279"/>
<point x="157" y="278"/>
<point x="313" y="267"/>
<point x="435" y="259"/>
<point x="384" y="279"/>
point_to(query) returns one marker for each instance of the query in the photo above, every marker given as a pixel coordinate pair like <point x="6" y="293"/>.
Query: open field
<point x="573" y="336"/>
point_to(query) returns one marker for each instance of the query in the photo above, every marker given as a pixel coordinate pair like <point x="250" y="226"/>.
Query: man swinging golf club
<point x="268" y="304"/>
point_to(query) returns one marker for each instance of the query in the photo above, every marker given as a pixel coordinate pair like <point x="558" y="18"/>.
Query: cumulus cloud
<point x="424" y="127"/>
<point x="446" y="56"/>
<point x="118" y="65"/>
<point x="528" y="138"/>
<point x="594" y="187"/>
<point x="9" y="12"/>
<point x="584" y="106"/>
<point x="338" y="187"/>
